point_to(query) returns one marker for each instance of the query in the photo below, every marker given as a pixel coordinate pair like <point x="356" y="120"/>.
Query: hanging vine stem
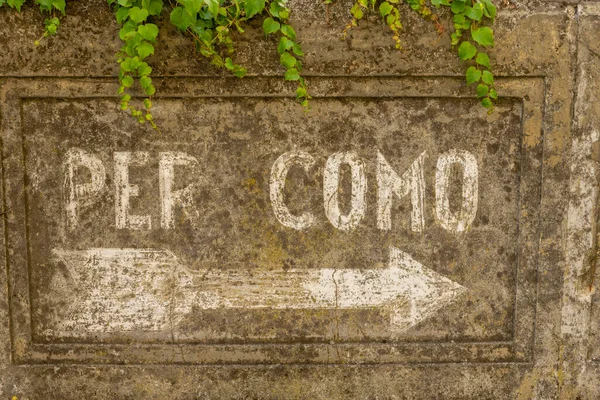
<point x="138" y="36"/>
<point x="48" y="7"/>
<point x="211" y="23"/>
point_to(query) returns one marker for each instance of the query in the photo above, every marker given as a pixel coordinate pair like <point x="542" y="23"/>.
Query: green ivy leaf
<point x="253" y="7"/>
<point x="275" y="9"/>
<point x="357" y="11"/>
<point x="385" y="8"/>
<point x="126" y="29"/>
<point x="270" y="25"/>
<point x="240" y="72"/>
<point x="126" y="65"/>
<point x="292" y="74"/>
<point x="237" y="70"/>
<point x="48" y="5"/>
<point x="132" y="38"/>
<point x="127" y="81"/>
<point x="493" y="94"/>
<point x="488" y="78"/>
<point x="454" y="39"/>
<point x="458" y="6"/>
<point x="154" y="7"/>
<point x="473" y="75"/>
<point x="287" y="60"/>
<point x="288" y="31"/>
<point x="466" y="51"/>
<point x="297" y="50"/>
<point x="192" y="6"/>
<point x="60" y="5"/>
<point x="148" y="31"/>
<point x="15" y="4"/>
<point x="390" y="19"/>
<point x="475" y="13"/>
<point x="122" y="14"/>
<point x="484" y="36"/>
<point x="144" y="49"/>
<point x="51" y="25"/>
<point x="489" y="9"/>
<point x="137" y="14"/>
<point x="284" y="14"/>
<point x="213" y="7"/>
<point x="181" y="19"/>
<point x="482" y="90"/>
<point x="150" y="90"/>
<point x="51" y="28"/>
<point x="284" y="44"/>
<point x="301" y="92"/>
<point x="45" y="5"/>
<point x="487" y="103"/>
<point x="459" y="19"/>
<point x="145" y="82"/>
<point x="144" y="69"/>
<point x="483" y="59"/>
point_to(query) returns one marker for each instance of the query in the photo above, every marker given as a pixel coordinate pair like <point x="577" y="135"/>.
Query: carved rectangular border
<point x="529" y="90"/>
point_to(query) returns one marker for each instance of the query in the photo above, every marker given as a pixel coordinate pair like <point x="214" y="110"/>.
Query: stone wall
<point x="394" y="242"/>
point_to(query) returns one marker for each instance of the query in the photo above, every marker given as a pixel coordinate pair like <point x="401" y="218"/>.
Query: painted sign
<point x="147" y="289"/>
<point x="249" y="231"/>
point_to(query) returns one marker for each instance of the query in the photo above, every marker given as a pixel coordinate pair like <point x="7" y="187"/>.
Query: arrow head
<point x="427" y="291"/>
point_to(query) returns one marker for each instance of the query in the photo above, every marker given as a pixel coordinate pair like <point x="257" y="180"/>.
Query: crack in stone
<point x="171" y="312"/>
<point x="336" y="335"/>
<point x="587" y="46"/>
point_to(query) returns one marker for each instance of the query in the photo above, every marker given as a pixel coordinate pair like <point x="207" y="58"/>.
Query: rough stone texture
<point x="580" y="308"/>
<point x="527" y="326"/>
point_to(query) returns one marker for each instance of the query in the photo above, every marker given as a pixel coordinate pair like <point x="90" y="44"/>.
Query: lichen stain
<point x="528" y="384"/>
<point x="20" y="347"/>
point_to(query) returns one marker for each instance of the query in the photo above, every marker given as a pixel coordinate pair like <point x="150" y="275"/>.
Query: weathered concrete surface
<point x="580" y="304"/>
<point x="153" y="327"/>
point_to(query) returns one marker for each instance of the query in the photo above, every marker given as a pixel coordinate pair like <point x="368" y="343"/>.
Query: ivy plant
<point x="213" y="26"/>
<point x="138" y="36"/>
<point x="474" y="38"/>
<point x="471" y="36"/>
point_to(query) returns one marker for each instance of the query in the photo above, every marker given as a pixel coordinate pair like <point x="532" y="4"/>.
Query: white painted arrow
<point x="149" y="290"/>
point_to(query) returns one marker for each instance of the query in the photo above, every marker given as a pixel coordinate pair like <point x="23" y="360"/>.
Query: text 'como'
<point x="389" y="183"/>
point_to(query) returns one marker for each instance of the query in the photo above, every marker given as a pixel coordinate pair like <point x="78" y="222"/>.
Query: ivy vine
<point x="211" y="25"/>
<point x="469" y="18"/>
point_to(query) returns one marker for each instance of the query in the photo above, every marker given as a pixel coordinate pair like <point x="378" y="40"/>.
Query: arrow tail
<point x="117" y="289"/>
<point x="279" y="289"/>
